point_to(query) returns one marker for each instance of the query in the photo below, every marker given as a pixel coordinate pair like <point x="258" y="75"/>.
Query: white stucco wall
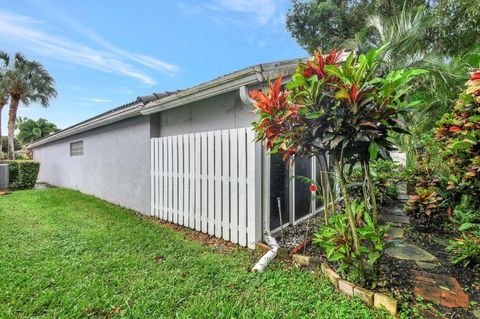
<point x="224" y="111"/>
<point x="115" y="165"/>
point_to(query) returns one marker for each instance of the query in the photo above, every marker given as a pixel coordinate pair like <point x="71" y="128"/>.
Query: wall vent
<point x="4" y="176"/>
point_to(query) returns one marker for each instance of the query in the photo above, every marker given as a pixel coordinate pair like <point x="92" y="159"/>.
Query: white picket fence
<point x="206" y="181"/>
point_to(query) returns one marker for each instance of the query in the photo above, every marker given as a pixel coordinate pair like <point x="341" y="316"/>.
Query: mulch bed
<point x="396" y="276"/>
<point x="219" y="244"/>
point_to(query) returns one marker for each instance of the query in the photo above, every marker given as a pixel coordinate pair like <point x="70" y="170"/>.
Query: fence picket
<point x="242" y="188"/>
<point x="226" y="185"/>
<point x="186" y="181"/>
<point x="180" y="172"/>
<point x="218" y="184"/>
<point x="153" y="177"/>
<point x="158" y="181"/>
<point x="191" y="164"/>
<point x="211" y="183"/>
<point x="198" y="173"/>
<point x="204" y="191"/>
<point x="234" y="186"/>
<point x="251" y="194"/>
<point x="175" y="179"/>
<point x="164" y="212"/>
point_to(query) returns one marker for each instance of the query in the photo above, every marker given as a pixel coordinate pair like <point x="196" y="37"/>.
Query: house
<point x="186" y="156"/>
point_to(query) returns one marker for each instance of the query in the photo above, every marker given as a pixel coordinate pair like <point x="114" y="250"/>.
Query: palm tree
<point x="406" y="41"/>
<point x="4" y="59"/>
<point x="30" y="130"/>
<point x="27" y="82"/>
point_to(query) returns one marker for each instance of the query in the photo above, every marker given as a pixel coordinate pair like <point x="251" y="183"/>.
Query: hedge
<point x="23" y="174"/>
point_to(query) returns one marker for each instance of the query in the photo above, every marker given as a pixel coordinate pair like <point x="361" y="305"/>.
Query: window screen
<point x="76" y="148"/>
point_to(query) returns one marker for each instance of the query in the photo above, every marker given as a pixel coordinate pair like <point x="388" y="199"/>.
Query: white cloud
<point x="22" y="31"/>
<point x="258" y="12"/>
<point x="96" y="100"/>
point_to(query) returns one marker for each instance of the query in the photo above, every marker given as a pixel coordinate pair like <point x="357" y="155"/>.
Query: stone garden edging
<point x="368" y="297"/>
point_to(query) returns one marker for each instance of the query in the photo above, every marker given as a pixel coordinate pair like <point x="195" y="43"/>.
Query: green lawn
<point x="68" y="255"/>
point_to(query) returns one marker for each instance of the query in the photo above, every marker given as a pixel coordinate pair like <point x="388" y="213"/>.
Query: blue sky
<point x="106" y="53"/>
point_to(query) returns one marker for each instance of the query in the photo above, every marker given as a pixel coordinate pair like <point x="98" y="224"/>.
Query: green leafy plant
<point x="465" y="251"/>
<point x="344" y="110"/>
<point x="336" y="239"/>
<point x="467" y="215"/>
<point x="386" y="175"/>
<point x="459" y="132"/>
<point x="424" y="205"/>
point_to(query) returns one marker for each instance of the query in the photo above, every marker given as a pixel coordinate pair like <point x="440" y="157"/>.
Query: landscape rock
<point x="365" y="295"/>
<point x="333" y="277"/>
<point x="346" y="287"/>
<point x="401" y="250"/>
<point x="383" y="301"/>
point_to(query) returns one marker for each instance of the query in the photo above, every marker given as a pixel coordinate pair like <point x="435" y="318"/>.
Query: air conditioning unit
<point x="4" y="183"/>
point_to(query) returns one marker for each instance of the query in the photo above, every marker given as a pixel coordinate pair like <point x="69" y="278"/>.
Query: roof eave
<point x="129" y="112"/>
<point x="249" y="76"/>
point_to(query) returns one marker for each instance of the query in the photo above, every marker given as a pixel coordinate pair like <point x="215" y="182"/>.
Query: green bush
<point x="386" y="175"/>
<point x="465" y="251"/>
<point x="22" y="174"/>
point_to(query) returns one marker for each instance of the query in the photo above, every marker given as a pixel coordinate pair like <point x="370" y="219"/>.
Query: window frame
<point x="77" y="152"/>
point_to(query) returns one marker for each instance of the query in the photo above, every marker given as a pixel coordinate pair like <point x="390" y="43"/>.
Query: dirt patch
<point x="219" y="244"/>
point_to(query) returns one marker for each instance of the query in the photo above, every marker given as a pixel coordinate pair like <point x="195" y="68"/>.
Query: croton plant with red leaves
<point x="344" y="109"/>
<point x="459" y="132"/>
<point x="278" y="118"/>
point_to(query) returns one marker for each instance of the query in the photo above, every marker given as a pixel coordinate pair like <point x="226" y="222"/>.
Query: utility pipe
<point x="262" y="264"/>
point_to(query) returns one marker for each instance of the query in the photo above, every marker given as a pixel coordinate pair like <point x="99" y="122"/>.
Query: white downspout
<point x="262" y="264"/>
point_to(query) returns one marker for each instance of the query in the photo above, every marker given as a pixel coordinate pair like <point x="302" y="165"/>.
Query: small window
<point x="76" y="148"/>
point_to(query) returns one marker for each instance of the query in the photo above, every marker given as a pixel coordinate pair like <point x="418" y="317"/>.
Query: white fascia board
<point x="89" y="125"/>
<point x="228" y="83"/>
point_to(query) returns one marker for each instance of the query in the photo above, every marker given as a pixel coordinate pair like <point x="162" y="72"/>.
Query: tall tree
<point x="456" y="26"/>
<point x="30" y="130"/>
<point x="327" y="24"/>
<point x="4" y="60"/>
<point x="27" y="82"/>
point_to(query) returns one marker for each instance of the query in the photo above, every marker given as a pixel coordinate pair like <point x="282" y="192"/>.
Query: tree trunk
<point x="12" y="117"/>
<point x="2" y="104"/>
<point x="329" y="186"/>
<point x="325" y="200"/>
<point x="348" y="206"/>
<point x="373" y="197"/>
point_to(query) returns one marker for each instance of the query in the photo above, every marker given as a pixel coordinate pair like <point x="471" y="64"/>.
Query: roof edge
<point x="252" y="75"/>
<point x="121" y="114"/>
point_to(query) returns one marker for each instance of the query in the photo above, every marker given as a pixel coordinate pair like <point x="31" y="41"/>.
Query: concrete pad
<point x="395" y="232"/>
<point x="395" y="219"/>
<point x="425" y="265"/>
<point x="401" y="250"/>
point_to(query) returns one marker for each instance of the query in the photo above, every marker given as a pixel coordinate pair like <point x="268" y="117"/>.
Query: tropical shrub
<point x="345" y="111"/>
<point x="465" y="251"/>
<point x="467" y="215"/>
<point x="22" y="173"/>
<point x="425" y="207"/>
<point x="336" y="239"/>
<point x="459" y="132"/>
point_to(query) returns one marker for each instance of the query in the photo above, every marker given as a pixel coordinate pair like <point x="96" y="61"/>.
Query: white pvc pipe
<point x="269" y="256"/>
